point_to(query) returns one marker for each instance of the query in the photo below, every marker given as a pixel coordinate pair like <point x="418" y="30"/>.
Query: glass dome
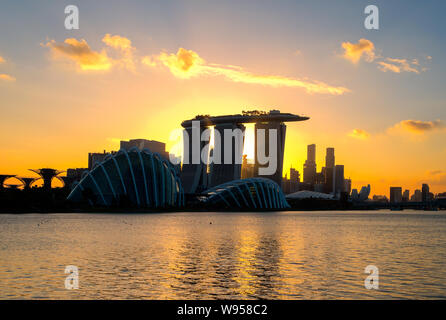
<point x="137" y="178"/>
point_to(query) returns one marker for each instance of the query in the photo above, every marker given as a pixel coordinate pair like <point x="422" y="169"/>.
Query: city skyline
<point x="381" y="108"/>
<point x="329" y="180"/>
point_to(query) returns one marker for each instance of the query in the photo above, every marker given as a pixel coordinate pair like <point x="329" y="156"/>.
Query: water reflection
<point x="315" y="255"/>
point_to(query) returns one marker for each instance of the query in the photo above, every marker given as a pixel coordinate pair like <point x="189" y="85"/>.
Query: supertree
<point x="26" y="182"/>
<point x="47" y="174"/>
<point x="3" y="177"/>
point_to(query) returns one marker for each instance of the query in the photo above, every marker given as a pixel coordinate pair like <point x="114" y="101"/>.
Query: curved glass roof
<point x="252" y="193"/>
<point x="135" y="178"/>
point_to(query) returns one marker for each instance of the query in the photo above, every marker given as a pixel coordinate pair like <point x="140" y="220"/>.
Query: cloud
<point x="117" y="42"/>
<point x="2" y="60"/>
<point x="359" y="134"/>
<point x="398" y="65"/>
<point x="365" y="48"/>
<point x="186" y="64"/>
<point x="6" y="77"/>
<point x="418" y="126"/>
<point x="355" y="51"/>
<point x="124" y="45"/>
<point x="149" y="61"/>
<point x="81" y="53"/>
<point x="183" y="64"/>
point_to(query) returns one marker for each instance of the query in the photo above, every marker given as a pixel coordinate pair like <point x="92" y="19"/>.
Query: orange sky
<point x="377" y="102"/>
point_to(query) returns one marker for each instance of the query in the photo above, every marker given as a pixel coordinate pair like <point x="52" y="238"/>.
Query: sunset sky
<point x="136" y="69"/>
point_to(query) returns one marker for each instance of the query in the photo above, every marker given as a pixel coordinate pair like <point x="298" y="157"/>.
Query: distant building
<point x="406" y="195"/>
<point x="425" y="192"/>
<point x="95" y="157"/>
<point x="292" y="184"/>
<point x="363" y="195"/>
<point x="306" y="186"/>
<point x="294" y="175"/>
<point x="339" y="179"/>
<point x="310" y="165"/>
<point x="417" y="196"/>
<point x="380" y="198"/>
<point x="152" y="145"/>
<point x="320" y="177"/>
<point x="329" y="180"/>
<point x="74" y="176"/>
<point x="396" y="194"/>
<point x="441" y="195"/>
<point x="329" y="170"/>
<point x="286" y="185"/>
<point x="330" y="158"/>
<point x="348" y="185"/>
<point x="76" y="173"/>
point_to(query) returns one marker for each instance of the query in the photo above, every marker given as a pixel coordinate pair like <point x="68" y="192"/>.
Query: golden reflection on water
<point x="288" y="255"/>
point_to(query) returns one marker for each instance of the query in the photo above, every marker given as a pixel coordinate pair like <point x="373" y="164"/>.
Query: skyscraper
<point x="227" y="171"/>
<point x="194" y="174"/>
<point x="339" y="183"/>
<point x="348" y="185"/>
<point x="330" y="158"/>
<point x="294" y="180"/>
<point x="396" y="194"/>
<point x="280" y="128"/>
<point x="425" y="192"/>
<point x="329" y="171"/>
<point x="194" y="171"/>
<point x="310" y="165"/>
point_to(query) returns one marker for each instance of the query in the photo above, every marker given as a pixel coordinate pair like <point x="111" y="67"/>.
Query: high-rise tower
<point x="310" y="165"/>
<point x="329" y="171"/>
<point x="265" y="144"/>
<point x="425" y="192"/>
<point x="194" y="170"/>
<point x="231" y="139"/>
<point x="339" y="184"/>
<point x="330" y="158"/>
<point x="194" y="174"/>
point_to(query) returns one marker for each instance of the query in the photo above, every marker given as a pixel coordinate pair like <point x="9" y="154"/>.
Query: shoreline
<point x="197" y="210"/>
